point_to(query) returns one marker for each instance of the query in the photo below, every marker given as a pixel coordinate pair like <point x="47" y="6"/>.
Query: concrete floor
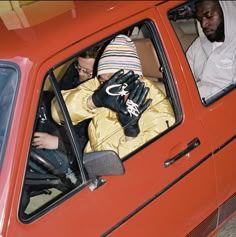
<point x="229" y="230"/>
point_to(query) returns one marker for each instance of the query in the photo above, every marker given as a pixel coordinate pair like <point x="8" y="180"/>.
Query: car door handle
<point x="190" y="146"/>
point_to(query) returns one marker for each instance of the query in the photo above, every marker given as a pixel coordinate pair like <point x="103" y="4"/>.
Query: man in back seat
<point x="212" y="56"/>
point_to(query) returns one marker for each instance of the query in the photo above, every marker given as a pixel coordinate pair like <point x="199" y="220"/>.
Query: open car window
<point x="50" y="173"/>
<point x="91" y="147"/>
<point x="105" y="131"/>
<point x="190" y="35"/>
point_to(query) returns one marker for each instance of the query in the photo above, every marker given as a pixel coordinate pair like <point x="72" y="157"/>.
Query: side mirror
<point x="103" y="163"/>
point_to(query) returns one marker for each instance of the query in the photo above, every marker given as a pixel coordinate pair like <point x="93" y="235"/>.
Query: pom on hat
<point x="121" y="53"/>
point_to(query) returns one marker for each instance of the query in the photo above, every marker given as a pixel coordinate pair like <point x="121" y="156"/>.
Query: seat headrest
<point x="148" y="58"/>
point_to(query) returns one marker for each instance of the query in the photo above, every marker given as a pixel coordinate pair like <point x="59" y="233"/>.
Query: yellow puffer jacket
<point x="105" y="131"/>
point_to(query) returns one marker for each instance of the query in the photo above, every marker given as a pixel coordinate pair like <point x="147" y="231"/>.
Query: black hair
<point x="90" y="53"/>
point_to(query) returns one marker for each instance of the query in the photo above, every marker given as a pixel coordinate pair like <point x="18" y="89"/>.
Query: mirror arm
<point x="96" y="183"/>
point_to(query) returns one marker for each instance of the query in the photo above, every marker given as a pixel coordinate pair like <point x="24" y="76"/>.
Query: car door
<point x="217" y="116"/>
<point x="161" y="192"/>
<point x="176" y="203"/>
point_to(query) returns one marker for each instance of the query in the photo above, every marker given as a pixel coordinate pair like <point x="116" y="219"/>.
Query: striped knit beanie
<point x="121" y="53"/>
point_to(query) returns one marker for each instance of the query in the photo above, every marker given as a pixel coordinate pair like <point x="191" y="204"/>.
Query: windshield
<point x="8" y="85"/>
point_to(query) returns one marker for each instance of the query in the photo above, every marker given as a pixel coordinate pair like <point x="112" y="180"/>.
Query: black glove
<point x="130" y="111"/>
<point x="117" y="86"/>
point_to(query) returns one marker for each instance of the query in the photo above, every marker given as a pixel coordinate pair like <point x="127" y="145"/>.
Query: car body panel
<point x="217" y="120"/>
<point x="149" y="198"/>
<point x="30" y="40"/>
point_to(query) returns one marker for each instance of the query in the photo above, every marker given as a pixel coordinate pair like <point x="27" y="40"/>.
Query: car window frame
<point x="166" y="70"/>
<point x="16" y="68"/>
<point x="85" y="181"/>
<point x="224" y="90"/>
<point x="168" y="78"/>
<point x="172" y="96"/>
<point x="68" y="125"/>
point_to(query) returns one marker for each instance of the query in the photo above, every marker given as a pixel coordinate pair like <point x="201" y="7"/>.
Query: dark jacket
<point x="70" y="79"/>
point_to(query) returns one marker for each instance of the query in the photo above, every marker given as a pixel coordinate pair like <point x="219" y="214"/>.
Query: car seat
<point x="149" y="61"/>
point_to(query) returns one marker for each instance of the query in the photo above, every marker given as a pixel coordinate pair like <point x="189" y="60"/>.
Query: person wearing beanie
<point x="126" y="109"/>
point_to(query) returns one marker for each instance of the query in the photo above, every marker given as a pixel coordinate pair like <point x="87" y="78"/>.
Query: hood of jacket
<point x="229" y="10"/>
<point x="217" y="67"/>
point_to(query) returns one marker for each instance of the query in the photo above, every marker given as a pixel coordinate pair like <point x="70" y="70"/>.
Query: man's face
<point x="210" y="16"/>
<point x="85" y="68"/>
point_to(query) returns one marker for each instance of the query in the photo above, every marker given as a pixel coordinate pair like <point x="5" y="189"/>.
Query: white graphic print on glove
<point x="132" y="108"/>
<point x="122" y="91"/>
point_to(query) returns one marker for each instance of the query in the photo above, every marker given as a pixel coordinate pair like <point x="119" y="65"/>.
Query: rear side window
<point x="214" y="76"/>
<point x="8" y="84"/>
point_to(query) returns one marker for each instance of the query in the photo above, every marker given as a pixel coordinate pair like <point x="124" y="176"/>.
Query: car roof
<point x="43" y="28"/>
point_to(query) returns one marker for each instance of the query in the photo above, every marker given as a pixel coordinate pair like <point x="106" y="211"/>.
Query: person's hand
<point x="119" y="85"/>
<point x="45" y="140"/>
<point x="130" y="110"/>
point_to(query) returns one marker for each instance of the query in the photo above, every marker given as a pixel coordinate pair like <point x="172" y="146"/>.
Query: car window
<point x="192" y="39"/>
<point x="87" y="138"/>
<point x="52" y="169"/>
<point x="9" y="77"/>
<point x="105" y="131"/>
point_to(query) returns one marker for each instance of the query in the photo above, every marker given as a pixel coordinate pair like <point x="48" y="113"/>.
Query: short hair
<point x="90" y="53"/>
<point x="93" y="52"/>
<point x="214" y="1"/>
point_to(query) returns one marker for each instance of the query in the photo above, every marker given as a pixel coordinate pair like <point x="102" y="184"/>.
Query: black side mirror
<point x="103" y="163"/>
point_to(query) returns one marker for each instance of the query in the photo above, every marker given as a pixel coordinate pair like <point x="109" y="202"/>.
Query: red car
<point x="179" y="183"/>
